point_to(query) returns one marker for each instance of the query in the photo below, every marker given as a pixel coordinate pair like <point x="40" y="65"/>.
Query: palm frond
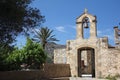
<point x="44" y="35"/>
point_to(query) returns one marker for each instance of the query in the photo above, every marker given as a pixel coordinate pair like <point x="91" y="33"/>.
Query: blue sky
<point x="61" y="16"/>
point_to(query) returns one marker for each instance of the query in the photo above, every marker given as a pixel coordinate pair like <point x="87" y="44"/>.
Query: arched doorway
<point x="86" y="62"/>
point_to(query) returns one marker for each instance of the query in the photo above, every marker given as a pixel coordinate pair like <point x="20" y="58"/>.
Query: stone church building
<point x="91" y="56"/>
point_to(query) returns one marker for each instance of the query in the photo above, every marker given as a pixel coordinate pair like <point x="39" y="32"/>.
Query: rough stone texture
<point x="107" y="58"/>
<point x="49" y="72"/>
<point x="60" y="58"/>
<point x="117" y="36"/>
<point x="50" y="49"/>
<point x="78" y="78"/>
<point x="72" y="54"/>
<point x="56" y="70"/>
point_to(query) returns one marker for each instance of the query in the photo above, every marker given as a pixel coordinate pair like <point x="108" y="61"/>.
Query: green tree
<point x="17" y="16"/>
<point x="4" y="48"/>
<point x="44" y="35"/>
<point x="32" y="54"/>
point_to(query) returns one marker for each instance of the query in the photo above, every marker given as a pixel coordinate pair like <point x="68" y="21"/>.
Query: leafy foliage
<point x="109" y="77"/>
<point x="32" y="54"/>
<point x="17" y="16"/>
<point x="44" y="35"/>
<point x="5" y="50"/>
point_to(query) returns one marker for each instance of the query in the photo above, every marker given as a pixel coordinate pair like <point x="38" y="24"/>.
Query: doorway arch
<point x="86" y="61"/>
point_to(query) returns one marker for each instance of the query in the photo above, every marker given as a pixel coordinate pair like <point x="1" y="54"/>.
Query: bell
<point x="86" y="25"/>
<point x="119" y="32"/>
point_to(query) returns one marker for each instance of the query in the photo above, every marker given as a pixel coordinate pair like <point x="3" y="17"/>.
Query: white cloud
<point x="72" y="26"/>
<point x="60" y="29"/>
<point x="99" y="32"/>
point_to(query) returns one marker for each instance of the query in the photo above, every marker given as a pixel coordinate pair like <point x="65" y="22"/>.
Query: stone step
<point x="79" y="78"/>
<point x="86" y="75"/>
<point x="60" y="78"/>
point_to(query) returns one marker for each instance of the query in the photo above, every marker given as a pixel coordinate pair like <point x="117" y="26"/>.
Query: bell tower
<point x="86" y="21"/>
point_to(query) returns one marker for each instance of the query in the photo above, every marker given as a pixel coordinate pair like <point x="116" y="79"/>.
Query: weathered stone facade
<point x="92" y="54"/>
<point x="117" y="36"/>
<point x="60" y="56"/>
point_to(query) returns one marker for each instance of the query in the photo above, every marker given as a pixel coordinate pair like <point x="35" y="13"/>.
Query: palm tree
<point x="44" y="36"/>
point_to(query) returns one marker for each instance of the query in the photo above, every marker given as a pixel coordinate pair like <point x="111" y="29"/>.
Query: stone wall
<point x="72" y="52"/>
<point x="50" y="71"/>
<point x="109" y="62"/>
<point x="60" y="56"/>
<point x="57" y="70"/>
<point x="50" y="50"/>
<point x="107" y="58"/>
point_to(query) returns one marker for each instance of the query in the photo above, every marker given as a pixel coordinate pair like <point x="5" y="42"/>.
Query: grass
<point x="109" y="77"/>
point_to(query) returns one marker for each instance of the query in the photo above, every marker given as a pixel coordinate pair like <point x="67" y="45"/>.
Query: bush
<point x="32" y="55"/>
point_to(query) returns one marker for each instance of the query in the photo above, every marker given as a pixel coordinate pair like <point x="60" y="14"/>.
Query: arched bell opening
<point x="86" y="27"/>
<point x="86" y="62"/>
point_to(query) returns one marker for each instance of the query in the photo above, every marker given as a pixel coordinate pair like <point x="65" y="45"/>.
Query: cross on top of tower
<point x="86" y="10"/>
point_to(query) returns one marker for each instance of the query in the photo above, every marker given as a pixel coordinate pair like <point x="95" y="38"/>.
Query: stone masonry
<point x="103" y="59"/>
